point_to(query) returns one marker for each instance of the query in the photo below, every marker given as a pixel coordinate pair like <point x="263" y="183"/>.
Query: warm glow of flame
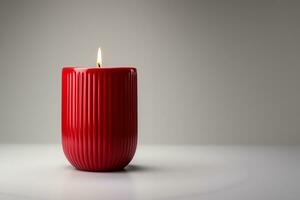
<point x="99" y="58"/>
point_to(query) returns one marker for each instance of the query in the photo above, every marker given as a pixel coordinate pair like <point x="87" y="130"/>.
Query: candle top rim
<point x="114" y="68"/>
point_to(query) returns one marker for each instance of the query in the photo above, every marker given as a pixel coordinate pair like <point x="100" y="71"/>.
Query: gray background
<point x="210" y="72"/>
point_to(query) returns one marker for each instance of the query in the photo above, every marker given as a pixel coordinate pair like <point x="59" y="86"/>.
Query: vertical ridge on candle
<point x="95" y="154"/>
<point x="79" y="113"/>
<point x="103" y="113"/>
<point x="107" y="116"/>
<point x="100" y="120"/>
<point x="81" y="129"/>
<point x="72" y="116"/>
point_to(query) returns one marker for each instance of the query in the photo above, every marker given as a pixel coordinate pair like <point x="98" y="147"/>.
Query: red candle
<point x="99" y="117"/>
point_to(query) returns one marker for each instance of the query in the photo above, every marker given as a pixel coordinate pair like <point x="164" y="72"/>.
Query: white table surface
<point x="157" y="172"/>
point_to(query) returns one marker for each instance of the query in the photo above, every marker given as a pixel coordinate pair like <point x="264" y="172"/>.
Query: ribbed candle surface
<point x="99" y="117"/>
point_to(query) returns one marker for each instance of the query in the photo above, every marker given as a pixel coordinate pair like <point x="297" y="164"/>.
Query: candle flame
<point x="99" y="58"/>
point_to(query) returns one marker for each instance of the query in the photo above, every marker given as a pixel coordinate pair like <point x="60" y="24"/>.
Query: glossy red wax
<point x="99" y="117"/>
